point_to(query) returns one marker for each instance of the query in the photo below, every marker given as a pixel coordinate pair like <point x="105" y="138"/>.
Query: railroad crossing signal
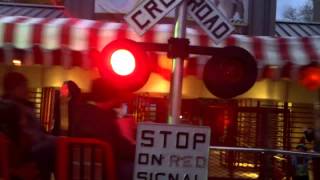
<point x="231" y="71"/>
<point x="208" y="17"/>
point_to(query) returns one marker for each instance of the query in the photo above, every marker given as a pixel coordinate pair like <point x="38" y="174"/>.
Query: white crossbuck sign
<point x="207" y="16"/>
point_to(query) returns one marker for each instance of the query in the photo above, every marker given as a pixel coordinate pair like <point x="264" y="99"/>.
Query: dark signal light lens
<point x="230" y="72"/>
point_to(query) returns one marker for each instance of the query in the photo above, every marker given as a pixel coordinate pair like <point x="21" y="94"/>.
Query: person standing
<point x="94" y="117"/>
<point x="15" y="88"/>
<point x="300" y="164"/>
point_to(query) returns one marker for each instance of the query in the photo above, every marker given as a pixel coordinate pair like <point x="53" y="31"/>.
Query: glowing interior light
<point x="123" y="62"/>
<point x="16" y="62"/>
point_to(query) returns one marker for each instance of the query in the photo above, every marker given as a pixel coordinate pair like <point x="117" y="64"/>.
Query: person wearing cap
<point x="15" y="88"/>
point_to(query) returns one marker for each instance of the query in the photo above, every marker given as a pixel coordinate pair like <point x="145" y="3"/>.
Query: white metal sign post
<point x="209" y="18"/>
<point x="177" y="75"/>
<point x="165" y="152"/>
<point x="148" y="13"/>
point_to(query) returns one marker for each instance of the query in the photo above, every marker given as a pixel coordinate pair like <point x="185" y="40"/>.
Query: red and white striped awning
<point x="42" y="40"/>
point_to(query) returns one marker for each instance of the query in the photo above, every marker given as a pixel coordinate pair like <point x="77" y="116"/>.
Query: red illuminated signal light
<point x="124" y="65"/>
<point x="123" y="62"/>
<point x="310" y="77"/>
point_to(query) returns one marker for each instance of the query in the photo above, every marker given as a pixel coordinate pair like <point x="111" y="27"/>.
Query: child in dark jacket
<point x="300" y="163"/>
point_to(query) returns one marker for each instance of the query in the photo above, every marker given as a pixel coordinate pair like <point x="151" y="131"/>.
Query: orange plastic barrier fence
<point x="83" y="158"/>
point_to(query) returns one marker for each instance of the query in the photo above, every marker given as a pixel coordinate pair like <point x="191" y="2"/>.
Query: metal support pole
<point x="177" y="75"/>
